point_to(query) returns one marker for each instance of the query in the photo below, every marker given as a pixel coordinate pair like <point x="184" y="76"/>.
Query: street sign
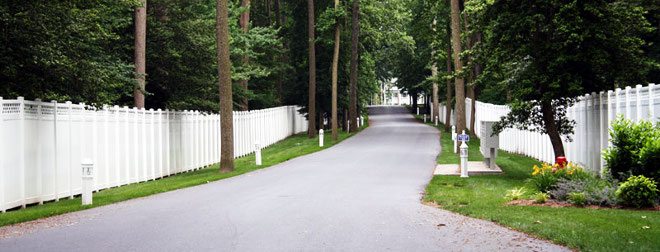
<point x="464" y="137"/>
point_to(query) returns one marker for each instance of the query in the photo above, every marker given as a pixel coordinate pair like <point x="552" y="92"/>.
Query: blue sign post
<point x="464" y="137"/>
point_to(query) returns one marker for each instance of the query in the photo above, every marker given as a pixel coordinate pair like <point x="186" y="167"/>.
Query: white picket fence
<point x="43" y="143"/>
<point x="593" y="114"/>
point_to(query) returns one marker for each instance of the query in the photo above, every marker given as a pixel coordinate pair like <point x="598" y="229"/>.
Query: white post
<point x="454" y="136"/>
<point x="628" y="112"/>
<point x="436" y="120"/>
<point x="602" y="130"/>
<point x="321" y="138"/>
<point x="87" y="181"/>
<point x="361" y="120"/>
<point x="160" y="142"/>
<point x="464" y="158"/>
<point x="152" y="145"/>
<point x="117" y="149"/>
<point x="143" y="144"/>
<point x="167" y="141"/>
<point x="2" y="151"/>
<point x="609" y="112"/>
<point x="127" y="148"/>
<point x="617" y="104"/>
<point x="39" y="154"/>
<point x="417" y="110"/>
<point x="55" y="175"/>
<point x="95" y="143"/>
<point x="652" y="118"/>
<point x="106" y="124"/>
<point x="69" y="109"/>
<point x="638" y="105"/>
<point x="21" y="116"/>
<point x="424" y="118"/>
<point x="257" y="153"/>
<point x="136" y="145"/>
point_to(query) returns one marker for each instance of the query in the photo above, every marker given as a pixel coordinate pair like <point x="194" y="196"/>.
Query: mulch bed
<point x="554" y="203"/>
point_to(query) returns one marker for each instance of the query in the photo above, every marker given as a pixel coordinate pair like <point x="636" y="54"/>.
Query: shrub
<point x="545" y="178"/>
<point x="597" y="191"/>
<point x="637" y="191"/>
<point x="515" y="194"/>
<point x="635" y="149"/>
<point x="577" y="198"/>
<point x="540" y="197"/>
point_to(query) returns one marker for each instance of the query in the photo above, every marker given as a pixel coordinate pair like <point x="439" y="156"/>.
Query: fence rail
<point x="593" y="114"/>
<point x="42" y="144"/>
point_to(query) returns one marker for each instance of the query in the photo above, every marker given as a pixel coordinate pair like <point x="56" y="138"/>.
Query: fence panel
<point x="43" y="143"/>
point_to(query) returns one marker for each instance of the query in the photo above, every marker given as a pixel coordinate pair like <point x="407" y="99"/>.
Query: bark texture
<point x="244" y="22"/>
<point x="434" y="75"/>
<point x="353" y="108"/>
<point x="458" y="66"/>
<point x="140" y="52"/>
<point x="548" y="112"/>
<point x="449" y="86"/>
<point x="311" y="108"/>
<point x="224" y="83"/>
<point x="335" y="65"/>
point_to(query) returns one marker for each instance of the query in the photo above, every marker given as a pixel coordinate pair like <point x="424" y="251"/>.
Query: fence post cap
<point x="86" y="162"/>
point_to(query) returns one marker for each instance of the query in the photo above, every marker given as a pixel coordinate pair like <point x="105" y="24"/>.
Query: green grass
<point x="284" y="150"/>
<point x="581" y="228"/>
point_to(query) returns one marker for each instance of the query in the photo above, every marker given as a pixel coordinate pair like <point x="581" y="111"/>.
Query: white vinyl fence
<point x="43" y="143"/>
<point x="593" y="114"/>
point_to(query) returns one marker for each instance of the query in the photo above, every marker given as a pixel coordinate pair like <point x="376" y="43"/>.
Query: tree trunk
<point x="335" y="65"/>
<point x="281" y="57"/>
<point x="352" y="108"/>
<point x="224" y="83"/>
<point x="434" y="75"/>
<point x="449" y="86"/>
<point x="346" y="119"/>
<point x="140" y="52"/>
<point x="311" y="108"/>
<point x="414" y="102"/>
<point x="470" y="78"/>
<point x="550" y="125"/>
<point x="245" y="22"/>
<point x="458" y="66"/>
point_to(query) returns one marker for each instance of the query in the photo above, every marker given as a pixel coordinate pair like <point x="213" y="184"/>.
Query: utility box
<point x="489" y="144"/>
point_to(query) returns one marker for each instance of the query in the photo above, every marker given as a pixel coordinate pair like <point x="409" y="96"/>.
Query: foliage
<point x="545" y="178"/>
<point x="554" y="51"/>
<point x="637" y="191"/>
<point x="635" y="149"/>
<point x="515" y="194"/>
<point x="597" y="191"/>
<point x="540" y="197"/>
<point x="577" y="198"/>
<point x="66" y="50"/>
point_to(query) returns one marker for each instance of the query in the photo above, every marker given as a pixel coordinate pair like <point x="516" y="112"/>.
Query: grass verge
<point x="581" y="228"/>
<point x="284" y="150"/>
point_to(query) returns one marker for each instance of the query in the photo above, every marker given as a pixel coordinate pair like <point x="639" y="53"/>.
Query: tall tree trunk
<point x="224" y="83"/>
<point x="414" y="102"/>
<point x="458" y="66"/>
<point x="311" y="108"/>
<point x="278" y="24"/>
<point x="449" y="86"/>
<point x="352" y="108"/>
<point x="245" y="22"/>
<point x="140" y="52"/>
<point x="470" y="78"/>
<point x="551" y="126"/>
<point x="434" y="75"/>
<point x="335" y="65"/>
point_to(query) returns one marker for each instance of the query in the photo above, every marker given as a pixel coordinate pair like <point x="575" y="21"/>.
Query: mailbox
<point x="489" y="144"/>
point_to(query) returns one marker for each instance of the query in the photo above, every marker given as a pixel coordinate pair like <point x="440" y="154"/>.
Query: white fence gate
<point x="593" y="114"/>
<point x="42" y="144"/>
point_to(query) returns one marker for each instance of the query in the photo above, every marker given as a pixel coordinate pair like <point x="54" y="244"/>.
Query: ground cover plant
<point x="284" y="150"/>
<point x="581" y="228"/>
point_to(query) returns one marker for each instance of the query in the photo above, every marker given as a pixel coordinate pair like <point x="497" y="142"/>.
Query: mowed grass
<point x="284" y="150"/>
<point x="581" y="228"/>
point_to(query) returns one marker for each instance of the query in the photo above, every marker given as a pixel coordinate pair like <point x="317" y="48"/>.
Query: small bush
<point x="637" y="191"/>
<point x="540" y="197"/>
<point x="597" y="191"/>
<point x="577" y="198"/>
<point x="546" y="177"/>
<point x="635" y="149"/>
<point x="515" y="194"/>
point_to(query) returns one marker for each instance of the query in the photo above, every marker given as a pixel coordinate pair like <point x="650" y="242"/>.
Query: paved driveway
<point x="360" y="195"/>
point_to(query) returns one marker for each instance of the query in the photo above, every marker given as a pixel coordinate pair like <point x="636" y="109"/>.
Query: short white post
<point x="417" y="110"/>
<point x="87" y="180"/>
<point x="436" y="120"/>
<point x="321" y="138"/>
<point x="464" y="158"/>
<point x="453" y="138"/>
<point x="257" y="153"/>
<point x="361" y="121"/>
<point x="424" y="118"/>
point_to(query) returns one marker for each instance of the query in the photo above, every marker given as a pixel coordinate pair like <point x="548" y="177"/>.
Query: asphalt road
<point x="360" y="195"/>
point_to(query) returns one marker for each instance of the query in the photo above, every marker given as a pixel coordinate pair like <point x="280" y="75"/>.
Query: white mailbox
<point x="489" y="144"/>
